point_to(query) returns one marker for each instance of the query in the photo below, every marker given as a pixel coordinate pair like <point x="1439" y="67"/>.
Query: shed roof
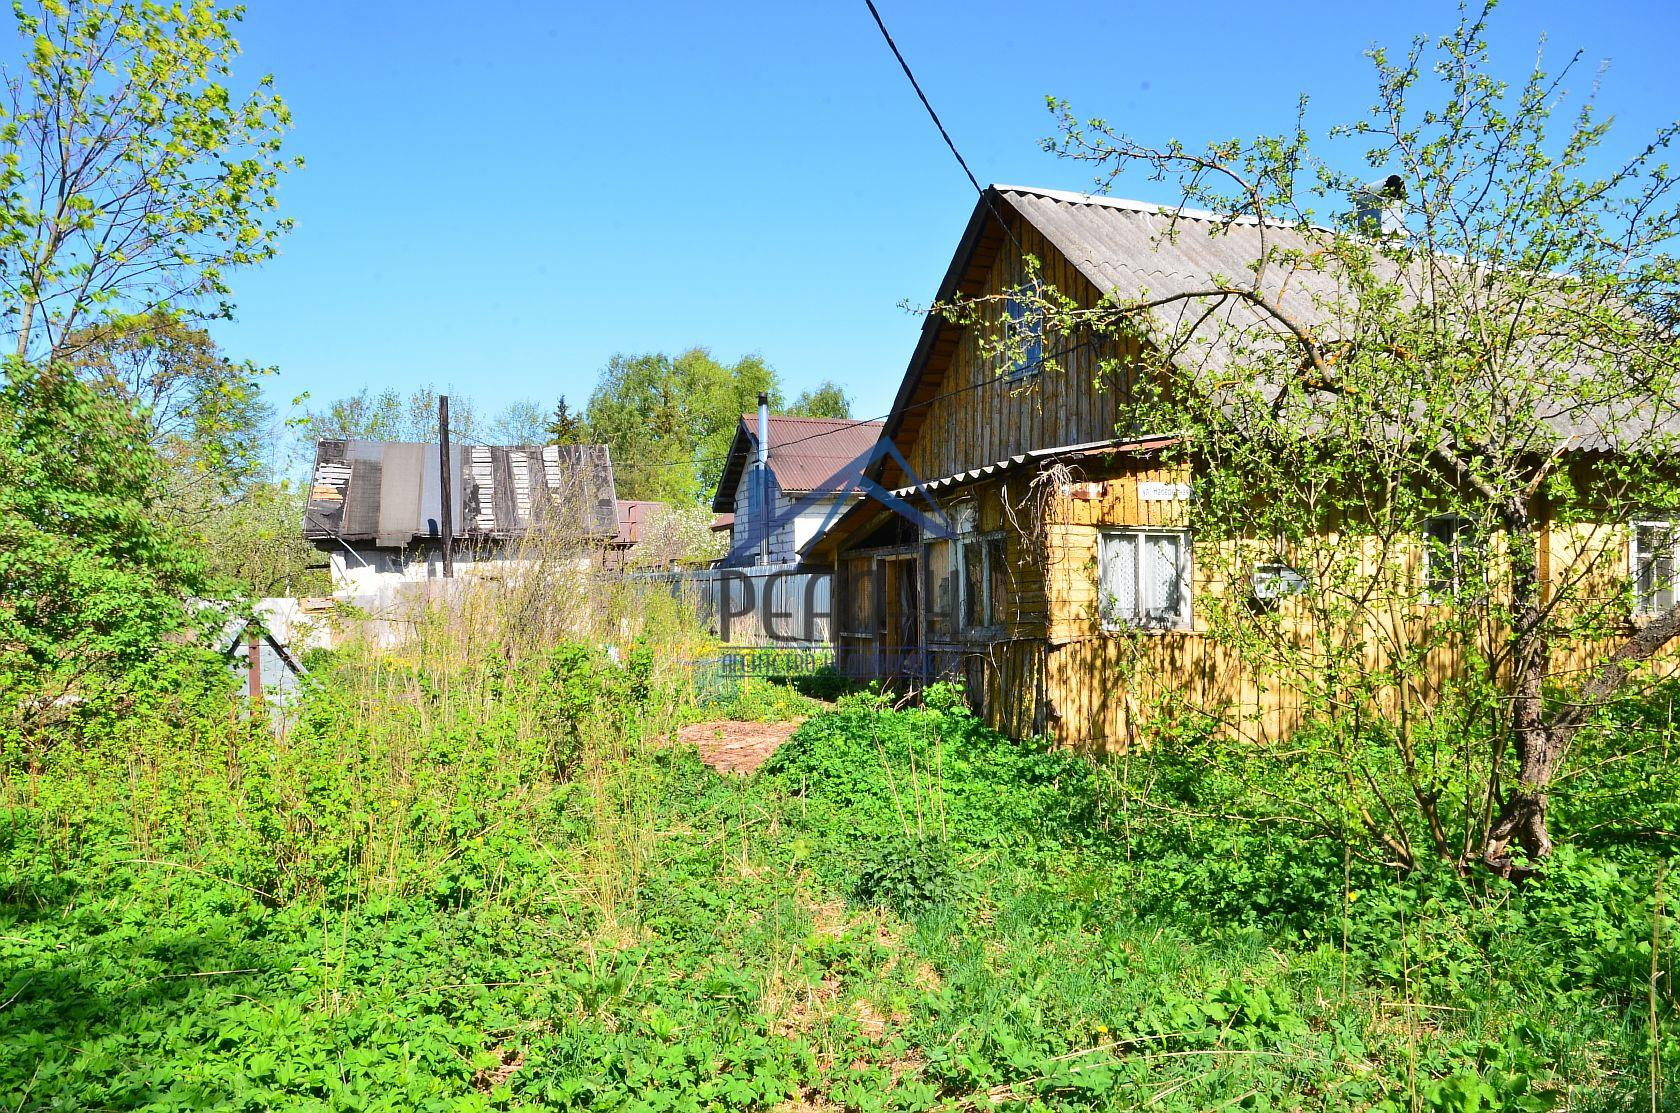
<point x="390" y="492"/>
<point x="806" y="454"/>
<point x="633" y="514"/>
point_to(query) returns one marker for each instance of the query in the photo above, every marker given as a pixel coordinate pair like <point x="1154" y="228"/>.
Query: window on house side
<point x="1144" y="579"/>
<point x="985" y="580"/>
<point x="940" y="592"/>
<point x="1653" y="566"/>
<point x="1452" y="558"/>
<point x="1024" y="331"/>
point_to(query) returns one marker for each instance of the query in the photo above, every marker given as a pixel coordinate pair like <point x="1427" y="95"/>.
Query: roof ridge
<point x="1147" y="208"/>
<point x="753" y="416"/>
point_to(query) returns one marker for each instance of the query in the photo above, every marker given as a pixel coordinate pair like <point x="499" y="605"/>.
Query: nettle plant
<point x="1433" y="426"/>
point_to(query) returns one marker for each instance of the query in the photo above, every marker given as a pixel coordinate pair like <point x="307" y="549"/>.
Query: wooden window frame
<point x="1017" y="320"/>
<point x="991" y="608"/>
<point x="1456" y="586"/>
<point x="1641" y="602"/>
<point x="1184" y="620"/>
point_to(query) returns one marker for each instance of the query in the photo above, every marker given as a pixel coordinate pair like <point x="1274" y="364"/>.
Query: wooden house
<point x="1064" y="553"/>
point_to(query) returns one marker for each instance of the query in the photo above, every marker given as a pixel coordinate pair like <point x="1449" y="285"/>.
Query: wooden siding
<point x="976" y="415"/>
<point x="1048" y="666"/>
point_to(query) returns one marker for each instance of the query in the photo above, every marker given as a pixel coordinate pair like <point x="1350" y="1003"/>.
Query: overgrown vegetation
<point x="472" y="870"/>
<point x="472" y="874"/>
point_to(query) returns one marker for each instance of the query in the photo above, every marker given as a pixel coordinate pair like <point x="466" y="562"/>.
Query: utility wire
<point x="934" y="116"/>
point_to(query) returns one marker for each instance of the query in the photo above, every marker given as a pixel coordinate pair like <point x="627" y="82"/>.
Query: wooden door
<point x="902" y="633"/>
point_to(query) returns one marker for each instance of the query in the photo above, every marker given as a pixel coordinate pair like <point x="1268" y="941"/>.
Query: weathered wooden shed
<point x="376" y="507"/>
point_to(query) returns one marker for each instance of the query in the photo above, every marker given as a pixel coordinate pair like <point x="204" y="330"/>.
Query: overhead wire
<point x="986" y="199"/>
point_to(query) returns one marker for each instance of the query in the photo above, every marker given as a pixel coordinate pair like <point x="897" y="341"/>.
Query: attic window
<point x="1023" y="331"/>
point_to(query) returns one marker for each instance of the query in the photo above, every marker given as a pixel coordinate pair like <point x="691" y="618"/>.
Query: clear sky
<point x="499" y="198"/>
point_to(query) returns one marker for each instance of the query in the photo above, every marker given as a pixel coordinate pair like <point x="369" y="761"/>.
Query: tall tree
<point x="826" y="399"/>
<point x="669" y="419"/>
<point x="132" y="179"/>
<point x="518" y="422"/>
<point x="131" y="174"/>
<point x="565" y="425"/>
<point x="202" y="413"/>
<point x="1446" y="408"/>
<point x="391" y="416"/>
<point x="91" y="584"/>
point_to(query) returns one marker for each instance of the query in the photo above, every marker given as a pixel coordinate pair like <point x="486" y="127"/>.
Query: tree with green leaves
<point x="134" y="180"/>
<point x="1439" y="411"/>
<point x="92" y="584"/>
<point x="132" y="175"/>
<point x="390" y="415"/>
<point x="202" y="414"/>
<point x="668" y="420"/>
<point x="826" y="399"/>
<point x="565" y="426"/>
<point x="253" y="546"/>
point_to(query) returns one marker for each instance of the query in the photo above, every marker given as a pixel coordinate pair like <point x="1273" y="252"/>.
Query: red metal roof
<point x="806" y="453"/>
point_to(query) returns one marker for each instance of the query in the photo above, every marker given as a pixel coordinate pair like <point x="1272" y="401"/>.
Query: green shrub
<point x="907" y="875"/>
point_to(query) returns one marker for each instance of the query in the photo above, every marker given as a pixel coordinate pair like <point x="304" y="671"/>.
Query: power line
<point x="916" y="85"/>
<point x="934" y="116"/>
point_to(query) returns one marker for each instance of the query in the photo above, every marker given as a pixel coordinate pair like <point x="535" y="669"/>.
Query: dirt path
<point x="732" y="746"/>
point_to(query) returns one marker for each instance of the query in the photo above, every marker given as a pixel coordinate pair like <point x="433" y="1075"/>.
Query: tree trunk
<point x="1541" y="744"/>
<point x="1522" y="817"/>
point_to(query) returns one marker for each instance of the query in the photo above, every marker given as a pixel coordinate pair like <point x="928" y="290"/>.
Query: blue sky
<point x="498" y="199"/>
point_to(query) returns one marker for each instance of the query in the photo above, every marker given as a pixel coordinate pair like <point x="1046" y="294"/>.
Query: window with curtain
<point x="1144" y="579"/>
<point x="1654" y="541"/>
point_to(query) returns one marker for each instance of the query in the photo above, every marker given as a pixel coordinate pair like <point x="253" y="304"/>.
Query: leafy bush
<point x="907" y="875"/>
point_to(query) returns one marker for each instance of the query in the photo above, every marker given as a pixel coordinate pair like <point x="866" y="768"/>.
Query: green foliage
<point x="566" y="426"/>
<point x="132" y="175"/>
<point x="202" y="413"/>
<point x="461" y="881"/>
<point x="669" y="419"/>
<point x="826" y="399"/>
<point x="391" y="416"/>
<point x="1412" y="439"/>
<point x="906" y="875"/>
<point x="252" y="547"/>
<point x="91" y="585"/>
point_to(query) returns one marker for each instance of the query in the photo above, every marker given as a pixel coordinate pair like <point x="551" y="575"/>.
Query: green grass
<point x="486" y="888"/>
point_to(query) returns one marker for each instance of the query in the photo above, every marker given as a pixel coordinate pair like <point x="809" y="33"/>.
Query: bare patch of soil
<point x="488" y="1078"/>
<point x="732" y="746"/>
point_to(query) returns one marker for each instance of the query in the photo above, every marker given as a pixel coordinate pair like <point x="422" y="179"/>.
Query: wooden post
<point x="446" y="516"/>
<point x="253" y="660"/>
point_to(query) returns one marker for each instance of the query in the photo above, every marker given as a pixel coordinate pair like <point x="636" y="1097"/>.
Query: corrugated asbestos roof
<point x="1133" y="250"/>
<point x="806" y="454"/>
<point x="390" y="492"/>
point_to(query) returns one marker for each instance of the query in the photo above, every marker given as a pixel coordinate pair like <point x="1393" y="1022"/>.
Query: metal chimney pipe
<point x="763" y="477"/>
